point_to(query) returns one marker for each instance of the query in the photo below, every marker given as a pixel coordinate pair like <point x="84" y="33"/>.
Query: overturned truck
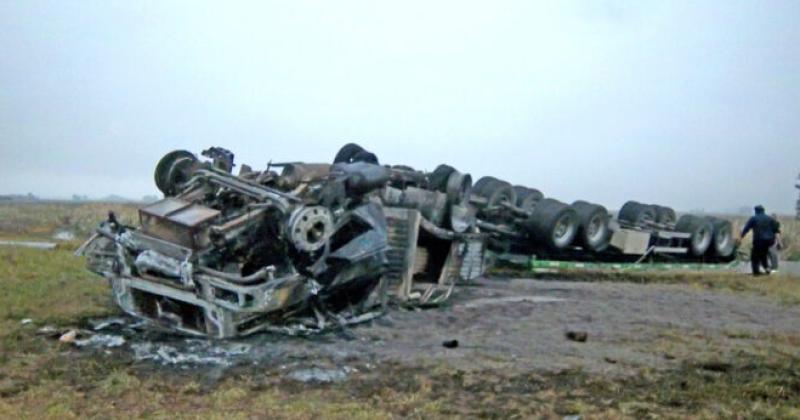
<point x="302" y="247"/>
<point x="297" y="247"/>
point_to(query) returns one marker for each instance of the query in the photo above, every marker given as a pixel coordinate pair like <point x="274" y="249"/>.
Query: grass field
<point x="41" y="378"/>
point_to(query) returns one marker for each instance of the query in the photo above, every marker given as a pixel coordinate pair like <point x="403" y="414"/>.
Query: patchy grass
<point x="49" y="286"/>
<point x="40" y="378"/>
<point x="745" y="386"/>
<point x="41" y="220"/>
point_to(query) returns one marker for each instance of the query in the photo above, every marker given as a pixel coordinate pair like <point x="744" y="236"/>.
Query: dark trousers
<point x="759" y="256"/>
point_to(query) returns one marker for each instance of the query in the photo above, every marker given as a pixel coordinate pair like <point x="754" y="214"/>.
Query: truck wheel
<point x="437" y="180"/>
<point x="553" y="224"/>
<point x="164" y="166"/>
<point x="481" y="187"/>
<point x="459" y="188"/>
<point x="495" y="191"/>
<point x="450" y="181"/>
<point x="637" y="214"/>
<point x="366" y="157"/>
<point x="593" y="231"/>
<point x="702" y="232"/>
<point x="723" y="247"/>
<point x="665" y="215"/>
<point x="527" y="197"/>
<point x="347" y="153"/>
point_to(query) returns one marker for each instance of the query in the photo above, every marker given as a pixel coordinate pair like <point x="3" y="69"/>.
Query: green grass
<point x="41" y="378"/>
<point x="49" y="286"/>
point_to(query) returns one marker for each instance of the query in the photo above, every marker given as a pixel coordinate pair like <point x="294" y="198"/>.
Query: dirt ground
<point x="674" y="345"/>
<point x="509" y="324"/>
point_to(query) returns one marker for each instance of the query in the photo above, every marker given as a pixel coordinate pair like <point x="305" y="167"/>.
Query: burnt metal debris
<point x="300" y="247"/>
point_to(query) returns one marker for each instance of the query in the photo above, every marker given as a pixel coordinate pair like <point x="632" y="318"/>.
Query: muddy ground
<point x="508" y="324"/>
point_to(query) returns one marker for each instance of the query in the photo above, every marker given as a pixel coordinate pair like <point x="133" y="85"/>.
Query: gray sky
<point x="691" y="104"/>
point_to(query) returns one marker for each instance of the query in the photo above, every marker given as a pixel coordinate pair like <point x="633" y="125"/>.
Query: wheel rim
<point x="595" y="229"/>
<point x="563" y="231"/>
<point x="702" y="241"/>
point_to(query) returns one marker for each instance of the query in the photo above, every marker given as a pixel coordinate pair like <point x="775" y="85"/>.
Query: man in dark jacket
<point x="765" y="232"/>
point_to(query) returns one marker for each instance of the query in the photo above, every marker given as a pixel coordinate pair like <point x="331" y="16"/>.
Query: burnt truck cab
<point x="313" y="245"/>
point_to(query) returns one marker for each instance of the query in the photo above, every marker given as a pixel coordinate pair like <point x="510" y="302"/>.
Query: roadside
<point x="656" y="344"/>
<point x="683" y="348"/>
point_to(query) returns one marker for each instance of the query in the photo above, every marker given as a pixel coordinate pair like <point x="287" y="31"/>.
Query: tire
<point x="437" y="180"/>
<point x="483" y="183"/>
<point x="495" y="191"/>
<point x="593" y="231"/>
<point x="347" y="153"/>
<point x="366" y="157"/>
<point x="403" y="168"/>
<point x="164" y="167"/>
<point x="553" y="224"/>
<point x="527" y="197"/>
<point x="450" y="181"/>
<point x="702" y="231"/>
<point x="459" y="188"/>
<point x="723" y="246"/>
<point x="637" y="214"/>
<point x="665" y="215"/>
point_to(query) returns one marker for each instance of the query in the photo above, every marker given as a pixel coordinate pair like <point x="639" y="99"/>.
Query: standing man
<point x="765" y="231"/>
<point x="774" y="250"/>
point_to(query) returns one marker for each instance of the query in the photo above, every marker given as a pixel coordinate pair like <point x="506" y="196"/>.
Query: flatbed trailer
<point x="630" y="249"/>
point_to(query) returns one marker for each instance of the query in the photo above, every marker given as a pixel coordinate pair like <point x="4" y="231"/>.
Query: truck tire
<point x="553" y="224"/>
<point x="481" y="187"/>
<point x="527" y="197"/>
<point x="495" y="191"/>
<point x="165" y="166"/>
<point x="366" y="157"/>
<point x="665" y="215"/>
<point x="450" y="181"/>
<point x="702" y="232"/>
<point x="437" y="180"/>
<point x="637" y="214"/>
<point x="593" y="231"/>
<point x="723" y="246"/>
<point x="347" y="153"/>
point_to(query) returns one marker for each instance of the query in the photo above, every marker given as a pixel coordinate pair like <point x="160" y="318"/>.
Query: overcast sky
<point x="690" y="104"/>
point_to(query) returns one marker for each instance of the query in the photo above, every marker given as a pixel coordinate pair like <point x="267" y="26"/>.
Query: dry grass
<point x="40" y="378"/>
<point x="41" y="220"/>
